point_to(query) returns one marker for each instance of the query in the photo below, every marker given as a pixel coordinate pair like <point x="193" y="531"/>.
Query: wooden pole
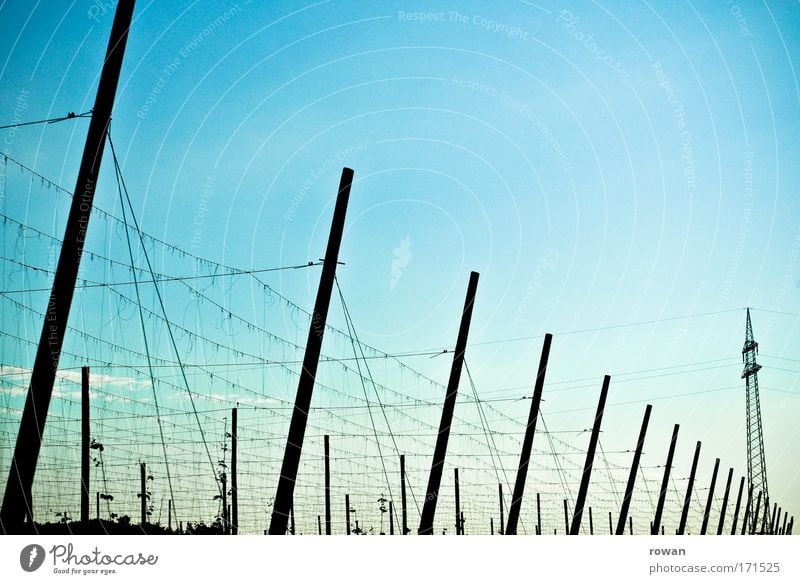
<point x="458" y="502"/>
<point x="225" y="517"/>
<point x="435" y="478"/>
<point x="755" y="515"/>
<point x="391" y="518"/>
<point x="234" y="483"/>
<point x="738" y="507"/>
<point x="17" y="504"/>
<point x="710" y="499"/>
<point x="637" y="455"/>
<point x="347" y="512"/>
<point x="502" y="510"/>
<point x="539" y="513"/>
<point x="327" y="486"/>
<point x="772" y="519"/>
<point x="527" y="442"/>
<point x="662" y="494"/>
<point x="725" y="503"/>
<point x="143" y="492"/>
<point x="746" y="519"/>
<point x="688" y="498"/>
<point x="587" y="467"/>
<point x="85" y="442"/>
<point x="305" y="386"/>
<point x="403" y="502"/>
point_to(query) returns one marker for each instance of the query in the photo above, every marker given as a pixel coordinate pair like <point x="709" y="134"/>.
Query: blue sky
<point x="597" y="162"/>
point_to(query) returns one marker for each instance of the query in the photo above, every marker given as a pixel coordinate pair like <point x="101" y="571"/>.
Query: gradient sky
<point x="599" y="163"/>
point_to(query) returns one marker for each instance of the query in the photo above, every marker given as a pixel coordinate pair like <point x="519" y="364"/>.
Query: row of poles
<point x="292" y="452"/>
<point x="230" y="513"/>
<point x="283" y="507"/>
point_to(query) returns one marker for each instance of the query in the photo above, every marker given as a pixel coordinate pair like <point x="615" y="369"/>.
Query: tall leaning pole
<point x="305" y="386"/>
<point x="440" y="450"/>
<point x="17" y="504"/>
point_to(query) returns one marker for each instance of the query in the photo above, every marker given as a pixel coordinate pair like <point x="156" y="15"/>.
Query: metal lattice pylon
<point x="756" y="463"/>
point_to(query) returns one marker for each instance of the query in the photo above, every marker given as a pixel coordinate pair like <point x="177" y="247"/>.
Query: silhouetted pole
<point x="327" y="486"/>
<point x="746" y="519"/>
<point x="637" y="455"/>
<point x="17" y="504"/>
<point x="491" y="526"/>
<point x="725" y="502"/>
<point x="169" y="514"/>
<point x="391" y="518"/>
<point x="305" y="386"/>
<point x="527" y="442"/>
<point x="462" y="523"/>
<point x="772" y="519"/>
<point x="630" y="525"/>
<point x="292" y="529"/>
<point x="738" y="507"/>
<point x="662" y="494"/>
<point x="610" y="524"/>
<point x="143" y="493"/>
<point x="791" y="526"/>
<point x="85" y="441"/>
<point x="566" y="517"/>
<point x="234" y="483"/>
<point x="319" y="524"/>
<point x="435" y="478"/>
<point x="688" y="498"/>
<point x="765" y="520"/>
<point x="458" y="502"/>
<point x="502" y="510"/>
<point x="347" y="512"/>
<point x="755" y="515"/>
<point x="225" y="517"/>
<point x="587" y="467"/>
<point x="785" y="517"/>
<point x="591" y="522"/>
<point x="97" y="503"/>
<point x="539" y="513"/>
<point x="710" y="499"/>
<point x="403" y="501"/>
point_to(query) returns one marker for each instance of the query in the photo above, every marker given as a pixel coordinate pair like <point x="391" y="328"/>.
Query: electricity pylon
<point x="756" y="464"/>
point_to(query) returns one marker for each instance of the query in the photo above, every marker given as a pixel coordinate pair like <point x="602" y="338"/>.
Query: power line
<point x="69" y="116"/>
<point x="159" y="279"/>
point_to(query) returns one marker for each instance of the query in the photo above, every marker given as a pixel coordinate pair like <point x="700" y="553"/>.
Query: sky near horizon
<point x="598" y="163"/>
